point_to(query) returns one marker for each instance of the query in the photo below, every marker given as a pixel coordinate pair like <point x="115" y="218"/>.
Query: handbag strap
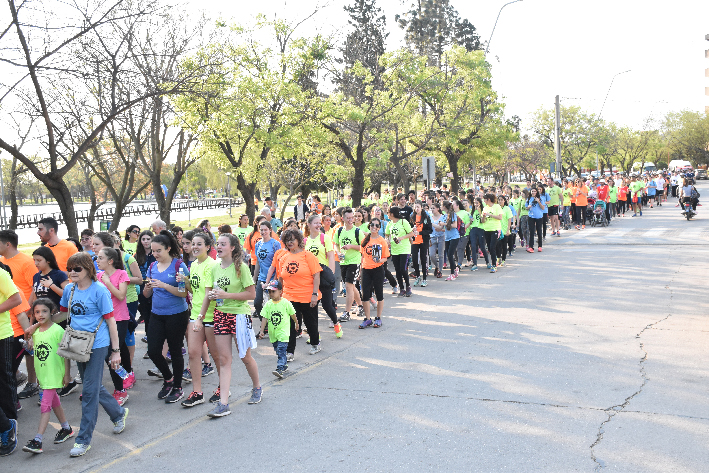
<point x="71" y="296"/>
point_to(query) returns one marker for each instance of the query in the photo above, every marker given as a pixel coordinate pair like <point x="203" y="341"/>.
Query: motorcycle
<point x="688" y="212"/>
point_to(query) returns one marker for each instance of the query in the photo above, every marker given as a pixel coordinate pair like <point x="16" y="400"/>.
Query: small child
<point x="276" y="312"/>
<point x="50" y="372"/>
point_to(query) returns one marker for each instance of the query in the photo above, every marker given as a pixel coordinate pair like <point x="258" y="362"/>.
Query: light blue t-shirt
<point x="545" y="198"/>
<point x="165" y="303"/>
<point x="651" y="188"/>
<point x="536" y="210"/>
<point x="264" y="253"/>
<point x="441" y="221"/>
<point x="451" y="234"/>
<point x="88" y="307"/>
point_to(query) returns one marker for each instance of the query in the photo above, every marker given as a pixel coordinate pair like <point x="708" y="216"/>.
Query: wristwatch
<point x="115" y="350"/>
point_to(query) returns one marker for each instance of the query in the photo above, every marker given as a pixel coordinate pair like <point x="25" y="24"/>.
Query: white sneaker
<point x="290" y="357"/>
<point x="315" y="349"/>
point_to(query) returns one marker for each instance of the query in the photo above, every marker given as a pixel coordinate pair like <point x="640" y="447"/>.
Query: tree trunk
<point x="453" y="157"/>
<point x="358" y="181"/>
<point x="13" y="195"/>
<point x="248" y="192"/>
<point x="60" y="192"/>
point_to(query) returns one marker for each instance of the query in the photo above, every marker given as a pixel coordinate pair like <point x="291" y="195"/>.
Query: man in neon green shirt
<point x="636" y="193"/>
<point x="554" y="192"/>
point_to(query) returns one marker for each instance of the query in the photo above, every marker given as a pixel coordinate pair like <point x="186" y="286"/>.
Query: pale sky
<point x="572" y="48"/>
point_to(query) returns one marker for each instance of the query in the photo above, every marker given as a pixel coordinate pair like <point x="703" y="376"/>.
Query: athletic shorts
<point x="50" y="400"/>
<point x="130" y="339"/>
<point x="373" y="280"/>
<point x="204" y="324"/>
<point x="349" y="272"/>
<point x="553" y="210"/>
<point x="224" y="324"/>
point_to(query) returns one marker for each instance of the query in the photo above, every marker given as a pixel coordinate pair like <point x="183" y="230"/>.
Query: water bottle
<point x="121" y="371"/>
<point x="219" y="302"/>
<point x="181" y="287"/>
<point x="27" y="347"/>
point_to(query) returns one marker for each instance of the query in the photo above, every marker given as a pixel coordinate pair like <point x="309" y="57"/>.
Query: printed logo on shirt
<point x="276" y="319"/>
<point x="292" y="267"/>
<point x="346" y="241"/>
<point x="194" y="280"/>
<point x="314" y="250"/>
<point x="375" y="251"/>
<point x="262" y="253"/>
<point x="394" y="231"/>
<point x="223" y="282"/>
<point x="42" y="351"/>
<point x="78" y="308"/>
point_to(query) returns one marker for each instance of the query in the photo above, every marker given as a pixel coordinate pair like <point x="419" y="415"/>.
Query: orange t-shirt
<point x="317" y="207"/>
<point x="280" y="253"/>
<point x="297" y="271"/>
<point x="23" y="269"/>
<point x="419" y="228"/>
<point x="375" y="253"/>
<point x="582" y="199"/>
<point x="573" y="194"/>
<point x="622" y="192"/>
<point x="250" y="244"/>
<point x="62" y="251"/>
<point x="15" y="311"/>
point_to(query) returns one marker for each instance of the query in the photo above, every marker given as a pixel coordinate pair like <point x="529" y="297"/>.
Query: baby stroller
<point x="598" y="215"/>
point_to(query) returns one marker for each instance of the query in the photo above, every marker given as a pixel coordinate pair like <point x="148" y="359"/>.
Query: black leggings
<point x="145" y="307"/>
<point x="451" y="248"/>
<point x="537" y="223"/>
<point x="401" y="269"/>
<point x="491" y="240"/>
<point x="502" y="248"/>
<point x="309" y="315"/>
<point x="328" y="304"/>
<point x="581" y="215"/>
<point x="122" y="327"/>
<point x="171" y="328"/>
<point x="420" y="250"/>
<point x="545" y="220"/>
<point x="390" y="277"/>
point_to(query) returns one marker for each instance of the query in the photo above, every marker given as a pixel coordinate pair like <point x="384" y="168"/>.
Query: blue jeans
<point x="94" y="394"/>
<point x="477" y="242"/>
<point x="281" y="348"/>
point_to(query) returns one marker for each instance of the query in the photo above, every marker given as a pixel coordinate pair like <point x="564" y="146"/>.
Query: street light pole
<point x="601" y="113"/>
<point x="493" y="28"/>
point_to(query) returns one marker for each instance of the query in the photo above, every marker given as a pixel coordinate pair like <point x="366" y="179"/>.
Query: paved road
<point x="588" y="357"/>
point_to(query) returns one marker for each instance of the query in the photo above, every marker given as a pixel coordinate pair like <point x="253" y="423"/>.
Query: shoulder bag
<point x="77" y="344"/>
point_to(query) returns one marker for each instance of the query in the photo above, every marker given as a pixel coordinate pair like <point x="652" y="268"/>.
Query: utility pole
<point x="557" y="135"/>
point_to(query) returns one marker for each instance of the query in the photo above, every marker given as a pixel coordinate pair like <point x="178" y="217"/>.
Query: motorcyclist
<point x="686" y="192"/>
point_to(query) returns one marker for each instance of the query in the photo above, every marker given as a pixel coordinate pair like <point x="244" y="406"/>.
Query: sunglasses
<point x="77" y="269"/>
<point x="374" y="225"/>
<point x="135" y="231"/>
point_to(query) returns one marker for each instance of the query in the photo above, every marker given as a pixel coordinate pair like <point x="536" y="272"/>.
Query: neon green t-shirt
<point x="278" y="316"/>
<point x="399" y="229"/>
<point x="613" y="194"/>
<point x="637" y="187"/>
<point x="7" y="289"/>
<point x="132" y="291"/>
<point x="476" y="220"/>
<point x="228" y="280"/>
<point x="349" y="237"/>
<point x="464" y="217"/>
<point x="315" y="246"/>
<point x="242" y="232"/>
<point x="567" y="197"/>
<point x="364" y="228"/>
<point x="492" y="224"/>
<point x="202" y="277"/>
<point x="129" y="247"/>
<point x="507" y="212"/>
<point x="554" y="195"/>
<point x="48" y="365"/>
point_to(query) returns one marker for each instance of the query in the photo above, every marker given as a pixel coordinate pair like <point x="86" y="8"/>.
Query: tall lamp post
<point x="493" y="28"/>
<point x="601" y="113"/>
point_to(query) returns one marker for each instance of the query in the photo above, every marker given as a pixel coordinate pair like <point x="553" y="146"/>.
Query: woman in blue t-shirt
<point x="89" y="304"/>
<point x="170" y="315"/>
<point x="452" y="238"/>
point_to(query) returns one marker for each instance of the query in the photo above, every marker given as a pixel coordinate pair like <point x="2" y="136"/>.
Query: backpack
<point x="695" y="193"/>
<point x="460" y="226"/>
<point x="177" y="270"/>
<point x="339" y="232"/>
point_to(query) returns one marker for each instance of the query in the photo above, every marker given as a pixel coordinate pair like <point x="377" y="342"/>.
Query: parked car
<point x="700" y="174"/>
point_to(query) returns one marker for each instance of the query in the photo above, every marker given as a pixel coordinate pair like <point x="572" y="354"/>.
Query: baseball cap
<point x="274" y="284"/>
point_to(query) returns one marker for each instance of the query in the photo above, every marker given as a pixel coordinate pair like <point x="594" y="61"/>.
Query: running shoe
<point x="489" y="266"/>
<point x="184" y="351"/>
<point x="175" y="395"/>
<point x="539" y="249"/>
<point x="338" y="330"/>
<point x="29" y="390"/>
<point x="366" y="323"/>
<point x="220" y="410"/>
<point x="452" y="277"/>
<point x="64" y="434"/>
<point x="583" y="227"/>
<point x="360" y="311"/>
<point x="417" y="281"/>
<point x="313" y="350"/>
<point x="280" y="374"/>
<point x="344" y="317"/>
<point x="68" y="389"/>
<point x="558" y="234"/>
<point x="168" y="357"/>
<point x="530" y="250"/>
<point x="576" y="227"/>
<point x="144" y="339"/>
<point x="331" y="324"/>
<point x="424" y="283"/>
<point x="165" y="391"/>
<point x="377" y="322"/>
<point x="79" y="450"/>
<point x="635" y="215"/>
<point x="193" y="399"/>
<point x="408" y="289"/>
<point x="503" y="264"/>
<point x="18" y="407"/>
<point x="456" y="271"/>
<point x="20" y="377"/>
<point x="257" y="392"/>
<point x="120" y="396"/>
<point x="8" y="439"/>
<point x="146" y="356"/>
<point x="216" y="395"/>
<point x="207" y="369"/>
<point x="129" y="382"/>
<point x="120" y="424"/>
<point x="499" y="260"/>
<point x="33" y="446"/>
<point x="290" y="356"/>
<point x="394" y="290"/>
<point x="493" y="269"/>
<point x="187" y="375"/>
<point x="154" y="373"/>
<point x="474" y="267"/>
<point x="402" y="293"/>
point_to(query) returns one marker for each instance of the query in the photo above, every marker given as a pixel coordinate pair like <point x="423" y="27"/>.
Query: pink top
<point x="120" y="308"/>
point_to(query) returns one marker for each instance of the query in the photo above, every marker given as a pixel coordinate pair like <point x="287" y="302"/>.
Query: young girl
<point x="375" y="251"/>
<point x="400" y="233"/>
<point x="501" y="249"/>
<point x="112" y="275"/>
<point x="50" y="373"/>
<point x="276" y="314"/>
<point x="144" y="257"/>
<point x="438" y="239"/>
<point x="452" y="237"/>
<point x="187" y="256"/>
<point x="419" y="248"/>
<point x="231" y="319"/>
<point x="201" y="325"/>
<point x="492" y="224"/>
<point x="477" y="235"/>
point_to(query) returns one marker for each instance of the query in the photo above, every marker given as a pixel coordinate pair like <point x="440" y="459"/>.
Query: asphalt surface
<point x="590" y="356"/>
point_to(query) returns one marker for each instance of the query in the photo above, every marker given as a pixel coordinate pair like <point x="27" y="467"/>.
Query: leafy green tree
<point x="687" y="133"/>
